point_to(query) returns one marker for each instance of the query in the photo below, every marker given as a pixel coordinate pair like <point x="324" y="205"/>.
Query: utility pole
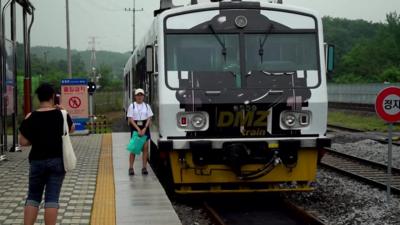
<point x="133" y="10"/>
<point x="93" y="78"/>
<point x="92" y="72"/>
<point x="45" y="62"/>
<point x="68" y="42"/>
<point x="27" y="70"/>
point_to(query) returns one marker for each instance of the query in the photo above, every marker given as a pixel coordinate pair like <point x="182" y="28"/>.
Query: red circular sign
<point x="387" y="104"/>
<point x="74" y="102"/>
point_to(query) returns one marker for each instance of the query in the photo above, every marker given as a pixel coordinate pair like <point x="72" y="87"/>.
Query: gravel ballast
<point x="371" y="150"/>
<point x="339" y="200"/>
<point x="191" y="214"/>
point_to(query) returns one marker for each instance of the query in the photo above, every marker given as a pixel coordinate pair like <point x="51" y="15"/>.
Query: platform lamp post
<point x="15" y="146"/>
<point x="3" y="99"/>
<point x="28" y="78"/>
<point x="2" y="119"/>
<point x="68" y="40"/>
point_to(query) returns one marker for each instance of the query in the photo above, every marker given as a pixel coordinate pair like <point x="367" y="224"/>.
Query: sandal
<point x="144" y="171"/>
<point x="131" y="172"/>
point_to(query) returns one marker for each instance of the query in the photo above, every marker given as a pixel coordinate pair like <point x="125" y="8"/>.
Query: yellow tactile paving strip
<point x="104" y="200"/>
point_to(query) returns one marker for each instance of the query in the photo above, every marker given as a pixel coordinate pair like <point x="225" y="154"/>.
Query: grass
<point x="114" y="116"/>
<point x="359" y="120"/>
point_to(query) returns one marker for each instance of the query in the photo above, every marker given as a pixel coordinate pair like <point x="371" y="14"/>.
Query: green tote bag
<point x="136" y="143"/>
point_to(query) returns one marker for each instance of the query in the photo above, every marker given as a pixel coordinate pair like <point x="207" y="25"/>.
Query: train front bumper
<point x="204" y="166"/>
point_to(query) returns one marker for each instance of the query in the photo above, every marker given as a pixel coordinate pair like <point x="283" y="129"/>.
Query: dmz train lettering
<point x="252" y="123"/>
<point x="248" y="119"/>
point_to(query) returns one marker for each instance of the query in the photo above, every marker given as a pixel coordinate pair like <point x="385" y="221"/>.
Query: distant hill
<point x="115" y="60"/>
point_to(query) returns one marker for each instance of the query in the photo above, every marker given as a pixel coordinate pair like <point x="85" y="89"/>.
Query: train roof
<point x="216" y="5"/>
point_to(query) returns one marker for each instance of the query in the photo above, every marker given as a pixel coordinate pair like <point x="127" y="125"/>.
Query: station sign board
<point x="387" y="104"/>
<point x="74" y="98"/>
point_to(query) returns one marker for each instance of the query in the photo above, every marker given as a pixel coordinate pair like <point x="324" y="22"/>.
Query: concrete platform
<point x="140" y="199"/>
<point x="76" y="199"/>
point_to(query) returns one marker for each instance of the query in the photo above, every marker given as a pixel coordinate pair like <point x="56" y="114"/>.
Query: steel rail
<point x="302" y="214"/>
<point x="215" y="217"/>
<point x="380" y="140"/>
<point x="364" y="170"/>
<point x="337" y="127"/>
<point x="284" y="205"/>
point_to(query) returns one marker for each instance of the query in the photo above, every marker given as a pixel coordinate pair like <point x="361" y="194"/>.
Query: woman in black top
<point x="43" y="129"/>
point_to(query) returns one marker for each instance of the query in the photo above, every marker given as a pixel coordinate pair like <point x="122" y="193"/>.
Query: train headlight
<point x="241" y="21"/>
<point x="192" y="121"/>
<point x="290" y="120"/>
<point x="198" y="121"/>
<point x="295" y="119"/>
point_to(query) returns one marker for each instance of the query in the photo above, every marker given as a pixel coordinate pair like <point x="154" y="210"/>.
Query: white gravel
<point x="341" y="201"/>
<point x="371" y="150"/>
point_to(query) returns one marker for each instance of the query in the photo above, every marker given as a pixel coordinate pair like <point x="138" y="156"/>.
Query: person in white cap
<point x="139" y="118"/>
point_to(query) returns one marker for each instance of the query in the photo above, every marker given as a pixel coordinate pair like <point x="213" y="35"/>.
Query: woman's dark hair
<point x="45" y="92"/>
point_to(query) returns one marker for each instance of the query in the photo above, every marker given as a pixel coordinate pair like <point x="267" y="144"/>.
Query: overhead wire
<point x="111" y="6"/>
<point x="97" y="4"/>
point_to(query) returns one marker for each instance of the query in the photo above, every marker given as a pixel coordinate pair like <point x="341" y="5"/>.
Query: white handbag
<point x="69" y="157"/>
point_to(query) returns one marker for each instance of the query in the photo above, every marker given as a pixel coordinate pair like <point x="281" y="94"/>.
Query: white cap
<point x="139" y="91"/>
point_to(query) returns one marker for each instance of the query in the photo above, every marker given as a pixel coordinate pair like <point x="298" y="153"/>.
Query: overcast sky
<point x="112" y="25"/>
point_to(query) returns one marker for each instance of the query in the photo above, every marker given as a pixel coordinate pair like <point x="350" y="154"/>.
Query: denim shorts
<point x="45" y="175"/>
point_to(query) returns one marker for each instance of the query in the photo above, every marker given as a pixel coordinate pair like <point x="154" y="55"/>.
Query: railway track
<point x="271" y="211"/>
<point x="352" y="106"/>
<point x="364" y="170"/>
<point x="341" y="128"/>
<point x="395" y="140"/>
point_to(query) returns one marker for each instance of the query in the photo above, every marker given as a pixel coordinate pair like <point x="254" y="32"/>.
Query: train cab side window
<point x="155" y="59"/>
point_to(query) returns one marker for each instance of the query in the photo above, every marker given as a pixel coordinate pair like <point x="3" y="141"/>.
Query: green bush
<point x="391" y="74"/>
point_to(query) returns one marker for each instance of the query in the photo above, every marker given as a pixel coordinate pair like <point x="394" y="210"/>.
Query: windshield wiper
<point x="278" y="73"/>
<point x="261" y="50"/>
<point x="219" y="40"/>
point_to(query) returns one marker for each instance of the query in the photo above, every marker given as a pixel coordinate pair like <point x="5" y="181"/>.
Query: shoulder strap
<point x="64" y="114"/>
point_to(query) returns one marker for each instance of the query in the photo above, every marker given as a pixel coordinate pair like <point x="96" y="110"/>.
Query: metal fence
<point x="337" y="93"/>
<point x="108" y="101"/>
<point x="356" y="93"/>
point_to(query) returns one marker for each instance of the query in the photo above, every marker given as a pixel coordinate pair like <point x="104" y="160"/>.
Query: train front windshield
<point x="201" y="53"/>
<point x="214" y="54"/>
<point x="281" y="52"/>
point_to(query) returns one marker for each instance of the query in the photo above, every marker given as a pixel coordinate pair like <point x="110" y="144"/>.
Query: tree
<point x="372" y="59"/>
<point x="78" y="65"/>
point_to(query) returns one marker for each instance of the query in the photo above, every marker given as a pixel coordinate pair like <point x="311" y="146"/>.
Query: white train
<point x="238" y="90"/>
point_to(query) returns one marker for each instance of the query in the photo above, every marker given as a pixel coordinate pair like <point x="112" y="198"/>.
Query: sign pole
<point x="389" y="168"/>
<point x="91" y="113"/>
<point x="387" y="106"/>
